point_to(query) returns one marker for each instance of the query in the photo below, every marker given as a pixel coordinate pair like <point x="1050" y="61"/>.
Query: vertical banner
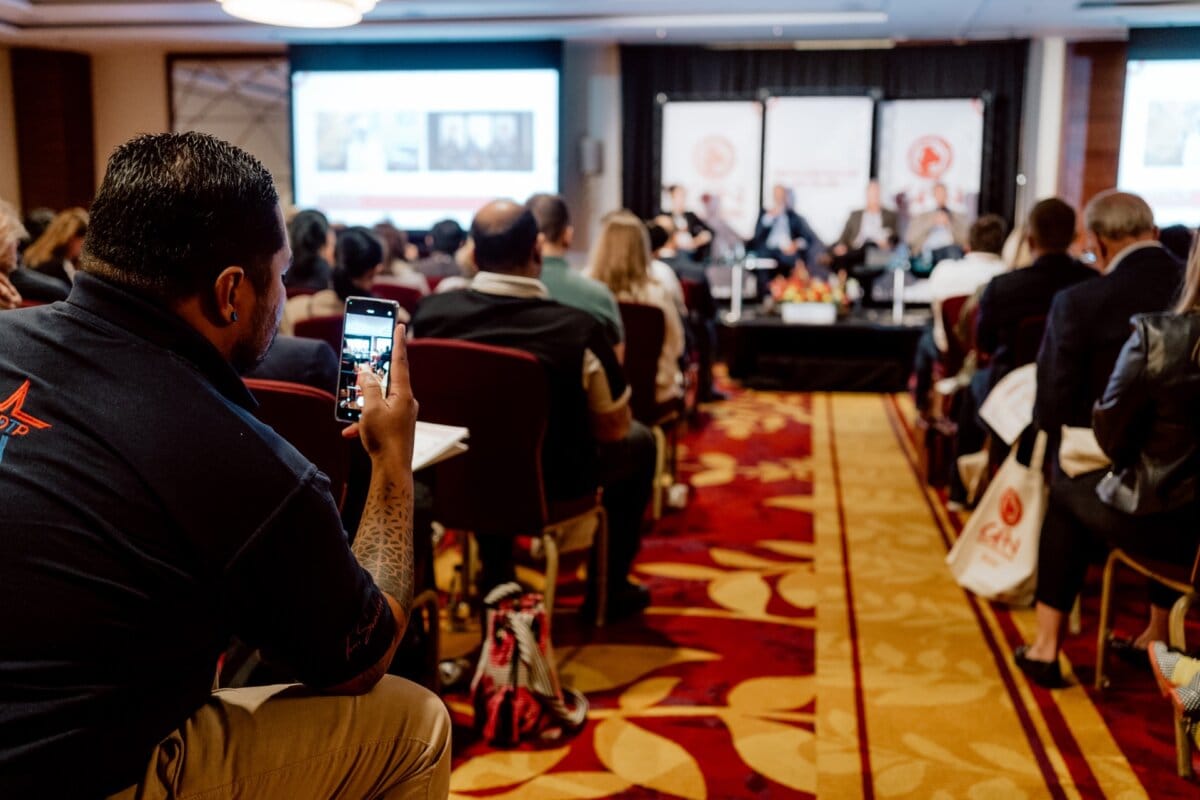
<point x="715" y="149"/>
<point x="926" y="142"/>
<point x="820" y="149"/>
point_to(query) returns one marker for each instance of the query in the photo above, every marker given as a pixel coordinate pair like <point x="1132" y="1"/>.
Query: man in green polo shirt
<point x="564" y="284"/>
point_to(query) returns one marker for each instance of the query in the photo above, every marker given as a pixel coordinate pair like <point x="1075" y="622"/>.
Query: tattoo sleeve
<point x="384" y="544"/>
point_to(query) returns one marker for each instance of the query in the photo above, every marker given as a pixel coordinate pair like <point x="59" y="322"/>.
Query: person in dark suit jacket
<point x="1008" y="300"/>
<point x="311" y="362"/>
<point x="692" y="236"/>
<point x="785" y="236"/>
<point x="881" y="225"/>
<point x="1088" y="326"/>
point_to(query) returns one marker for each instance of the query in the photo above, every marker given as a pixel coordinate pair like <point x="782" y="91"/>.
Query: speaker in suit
<point x="853" y="227"/>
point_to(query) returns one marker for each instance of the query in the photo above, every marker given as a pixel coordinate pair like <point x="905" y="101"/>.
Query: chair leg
<point x="550" y="544"/>
<point x="660" y="458"/>
<point x="1102" y="636"/>
<point x="1075" y="619"/>
<point x="1176" y="636"/>
<point x="1183" y="746"/>
<point x="600" y="543"/>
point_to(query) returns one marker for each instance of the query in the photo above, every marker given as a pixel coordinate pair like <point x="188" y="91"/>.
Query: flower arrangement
<point x="799" y="289"/>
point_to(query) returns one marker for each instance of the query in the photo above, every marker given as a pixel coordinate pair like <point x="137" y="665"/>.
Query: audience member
<point x="311" y="362"/>
<point x="938" y="229"/>
<point x="31" y="285"/>
<point x="564" y="284"/>
<point x="621" y="261"/>
<point x="1177" y="239"/>
<point x="691" y="236"/>
<point x="10" y="298"/>
<point x="398" y="257"/>
<point x="591" y="437"/>
<point x="56" y="251"/>
<point x="36" y="222"/>
<point x="660" y="270"/>
<point x="444" y="240"/>
<point x="785" y="236"/>
<point x="148" y="517"/>
<point x="359" y="262"/>
<point x="1146" y="502"/>
<point x="957" y="278"/>
<point x="313" y="242"/>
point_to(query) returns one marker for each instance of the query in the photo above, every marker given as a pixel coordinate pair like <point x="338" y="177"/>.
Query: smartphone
<point x="367" y="332"/>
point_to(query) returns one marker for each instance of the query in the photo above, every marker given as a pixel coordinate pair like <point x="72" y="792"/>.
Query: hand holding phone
<point x="388" y="415"/>
<point x="367" y="335"/>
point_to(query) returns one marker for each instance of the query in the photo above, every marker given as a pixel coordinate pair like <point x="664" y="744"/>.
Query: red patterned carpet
<point x="711" y="693"/>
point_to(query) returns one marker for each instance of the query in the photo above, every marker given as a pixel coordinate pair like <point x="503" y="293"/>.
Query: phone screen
<point x="366" y="341"/>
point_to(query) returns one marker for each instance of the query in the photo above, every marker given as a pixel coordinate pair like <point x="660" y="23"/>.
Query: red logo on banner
<point x="1010" y="507"/>
<point x="713" y="157"/>
<point x="930" y="157"/>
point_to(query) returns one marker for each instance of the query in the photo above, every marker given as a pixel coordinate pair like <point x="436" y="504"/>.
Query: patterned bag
<point x="516" y="689"/>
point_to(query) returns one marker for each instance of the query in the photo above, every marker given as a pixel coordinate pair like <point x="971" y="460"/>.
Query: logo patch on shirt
<point x="14" y="420"/>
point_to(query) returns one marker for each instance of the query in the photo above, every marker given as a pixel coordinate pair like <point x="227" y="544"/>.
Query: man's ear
<point x="230" y="294"/>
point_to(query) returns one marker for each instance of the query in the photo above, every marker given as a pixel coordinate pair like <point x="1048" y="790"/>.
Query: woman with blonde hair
<point x="57" y="249"/>
<point x="28" y="284"/>
<point x="621" y="261"/>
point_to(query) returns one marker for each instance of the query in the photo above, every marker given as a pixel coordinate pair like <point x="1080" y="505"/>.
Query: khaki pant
<point x="290" y="742"/>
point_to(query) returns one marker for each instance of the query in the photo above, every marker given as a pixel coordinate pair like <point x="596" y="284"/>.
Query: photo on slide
<point x="481" y="141"/>
<point x="1173" y="135"/>
<point x="368" y="142"/>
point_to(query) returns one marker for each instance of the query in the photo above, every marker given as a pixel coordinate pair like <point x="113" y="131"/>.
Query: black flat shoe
<point x="1130" y="653"/>
<point x="1044" y="673"/>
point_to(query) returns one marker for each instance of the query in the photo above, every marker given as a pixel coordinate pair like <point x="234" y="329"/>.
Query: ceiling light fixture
<point x="300" y="13"/>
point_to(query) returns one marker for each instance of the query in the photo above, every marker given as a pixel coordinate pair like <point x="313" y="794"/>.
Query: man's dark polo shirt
<point x="145" y="516"/>
<point x="559" y="337"/>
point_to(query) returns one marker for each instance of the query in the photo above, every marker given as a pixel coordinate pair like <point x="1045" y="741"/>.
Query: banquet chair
<point x="327" y="329"/>
<point x="645" y="331"/>
<point x="407" y="296"/>
<point x="496" y="487"/>
<point x="1179" y="578"/>
<point x="940" y="430"/>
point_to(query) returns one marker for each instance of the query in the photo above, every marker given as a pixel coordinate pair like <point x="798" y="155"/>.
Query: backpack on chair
<point x="516" y="689"/>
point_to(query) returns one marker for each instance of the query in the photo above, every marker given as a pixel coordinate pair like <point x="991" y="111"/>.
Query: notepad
<point x="434" y="443"/>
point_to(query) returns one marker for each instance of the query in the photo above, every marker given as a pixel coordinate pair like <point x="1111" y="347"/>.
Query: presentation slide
<point x="417" y="147"/>
<point x="820" y="149"/>
<point x="1160" y="138"/>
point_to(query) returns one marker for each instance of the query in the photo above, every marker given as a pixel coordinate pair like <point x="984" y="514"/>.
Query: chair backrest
<point x="501" y="395"/>
<point x="952" y="308"/>
<point x="303" y="415"/>
<point x="1028" y="339"/>
<point x="327" y="329"/>
<point x="645" y="330"/>
<point x="691" y="293"/>
<point x="433" y="281"/>
<point x="296" y="291"/>
<point x="407" y="296"/>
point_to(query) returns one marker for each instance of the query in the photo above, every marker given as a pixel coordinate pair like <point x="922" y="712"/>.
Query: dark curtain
<point x="927" y="72"/>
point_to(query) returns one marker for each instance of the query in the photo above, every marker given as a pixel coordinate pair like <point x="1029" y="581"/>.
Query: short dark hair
<point x="658" y="236"/>
<point x="987" y="234"/>
<point x="447" y="236"/>
<point x="553" y="217"/>
<point x="1052" y="225"/>
<point x="1178" y="240"/>
<point x="359" y="251"/>
<point x="175" y="209"/>
<point x="507" y="245"/>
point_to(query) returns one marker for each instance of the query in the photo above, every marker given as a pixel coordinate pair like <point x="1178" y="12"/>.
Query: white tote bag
<point x="996" y="555"/>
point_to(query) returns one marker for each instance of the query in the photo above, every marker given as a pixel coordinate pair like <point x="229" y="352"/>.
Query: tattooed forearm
<point x="384" y="544"/>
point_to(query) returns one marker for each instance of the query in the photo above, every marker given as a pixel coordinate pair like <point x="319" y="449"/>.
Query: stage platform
<point x="865" y="352"/>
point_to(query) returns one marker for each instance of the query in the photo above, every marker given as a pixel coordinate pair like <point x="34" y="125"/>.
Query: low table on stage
<point x="866" y="352"/>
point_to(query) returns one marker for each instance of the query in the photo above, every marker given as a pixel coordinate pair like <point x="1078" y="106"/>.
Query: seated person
<point x="295" y="359"/>
<point x="359" y="262"/>
<point x="873" y="225"/>
<point x="56" y="252"/>
<point x="564" y="284"/>
<point x="957" y="278"/>
<point x="621" y="261"/>
<point x="31" y="285"/>
<point x="1008" y="300"/>
<point x="1146" y="503"/>
<point x="785" y="236"/>
<point x="166" y="520"/>
<point x="443" y="242"/>
<point x="313" y="243"/>
<point x="690" y="236"/>
<point x="591" y="437"/>
<point x="398" y="255"/>
<point x="939" y="228"/>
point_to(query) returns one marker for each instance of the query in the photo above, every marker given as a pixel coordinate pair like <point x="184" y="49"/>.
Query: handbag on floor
<point x="516" y="690"/>
<point x="996" y="554"/>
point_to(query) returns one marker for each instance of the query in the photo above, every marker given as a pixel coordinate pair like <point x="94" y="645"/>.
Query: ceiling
<point x="95" y="25"/>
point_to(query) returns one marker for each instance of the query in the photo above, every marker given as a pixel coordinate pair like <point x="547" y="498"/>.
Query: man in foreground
<point x="591" y="437"/>
<point x="148" y="516"/>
